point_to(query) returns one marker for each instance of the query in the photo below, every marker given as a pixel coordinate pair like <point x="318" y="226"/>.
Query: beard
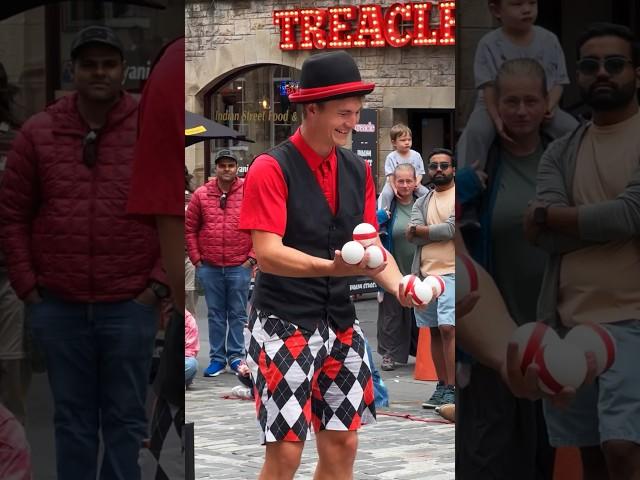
<point x="608" y="100"/>
<point x="442" y="179"/>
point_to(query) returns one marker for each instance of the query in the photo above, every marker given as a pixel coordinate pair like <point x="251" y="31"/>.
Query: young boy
<point x="401" y="140"/>
<point x="517" y="37"/>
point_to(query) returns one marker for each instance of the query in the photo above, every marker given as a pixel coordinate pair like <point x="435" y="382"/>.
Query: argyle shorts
<point x="302" y="378"/>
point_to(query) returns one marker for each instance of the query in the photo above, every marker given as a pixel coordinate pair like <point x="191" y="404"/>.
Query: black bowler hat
<point x="327" y="76"/>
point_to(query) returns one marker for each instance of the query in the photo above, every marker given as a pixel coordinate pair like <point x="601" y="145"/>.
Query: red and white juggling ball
<point x="352" y="252"/>
<point x="437" y="282"/>
<point x="377" y="255"/>
<point x="531" y="338"/>
<point x="561" y="365"/>
<point x="365" y="233"/>
<point x="594" y="338"/>
<point x="466" y="276"/>
<point x="419" y="292"/>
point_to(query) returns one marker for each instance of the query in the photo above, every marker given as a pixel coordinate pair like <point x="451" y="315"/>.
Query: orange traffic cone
<point x="568" y="465"/>
<point x="425" y="369"/>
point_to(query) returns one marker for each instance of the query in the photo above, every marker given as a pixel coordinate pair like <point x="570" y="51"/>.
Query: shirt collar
<point x="313" y="159"/>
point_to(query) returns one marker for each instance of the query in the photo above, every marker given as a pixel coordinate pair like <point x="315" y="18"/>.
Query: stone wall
<point x="223" y="36"/>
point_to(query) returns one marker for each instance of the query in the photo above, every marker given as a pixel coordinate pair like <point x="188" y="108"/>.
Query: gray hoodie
<point x="437" y="233"/>
<point x="603" y="222"/>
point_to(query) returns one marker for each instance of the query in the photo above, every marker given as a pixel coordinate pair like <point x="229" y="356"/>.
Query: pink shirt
<point x="15" y="463"/>
<point x="191" y="341"/>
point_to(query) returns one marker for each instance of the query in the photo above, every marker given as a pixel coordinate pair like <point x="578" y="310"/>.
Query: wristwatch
<point x="252" y="261"/>
<point x="160" y="290"/>
<point x="412" y="229"/>
<point x="540" y="216"/>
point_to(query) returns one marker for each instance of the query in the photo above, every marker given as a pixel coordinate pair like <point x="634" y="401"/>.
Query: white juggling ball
<point x="561" y="365"/>
<point x="437" y="282"/>
<point x="352" y="252"/>
<point x="413" y="287"/>
<point x="377" y="255"/>
<point x="365" y="233"/>
<point x="531" y="338"/>
<point x="594" y="338"/>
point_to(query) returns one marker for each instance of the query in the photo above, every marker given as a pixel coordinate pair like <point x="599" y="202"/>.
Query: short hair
<point x="440" y="151"/>
<point x="304" y="107"/>
<point x="405" y="166"/>
<point x="604" y="29"/>
<point x="527" y="67"/>
<point x="399" y="130"/>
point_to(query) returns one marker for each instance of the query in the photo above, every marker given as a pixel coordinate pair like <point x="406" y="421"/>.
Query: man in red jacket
<point x="224" y="259"/>
<point x="90" y="275"/>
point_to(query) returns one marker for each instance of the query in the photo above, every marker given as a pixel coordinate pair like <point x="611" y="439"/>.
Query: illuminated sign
<point x="366" y="26"/>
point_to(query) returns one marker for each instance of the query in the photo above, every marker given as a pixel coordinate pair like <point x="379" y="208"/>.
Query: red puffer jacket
<point x="64" y="225"/>
<point x="211" y="232"/>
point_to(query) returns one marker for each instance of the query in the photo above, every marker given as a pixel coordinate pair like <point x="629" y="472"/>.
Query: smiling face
<point x="98" y="72"/>
<point x="333" y="121"/>
<point x="604" y="90"/>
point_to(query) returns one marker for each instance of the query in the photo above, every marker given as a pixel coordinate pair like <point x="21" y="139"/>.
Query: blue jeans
<point x="381" y="394"/>
<point x="98" y="359"/>
<point x="190" y="369"/>
<point x="225" y="290"/>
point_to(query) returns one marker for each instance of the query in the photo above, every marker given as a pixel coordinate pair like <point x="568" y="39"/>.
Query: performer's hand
<point x="526" y="386"/>
<point x="343" y="269"/>
<point x="466" y="304"/>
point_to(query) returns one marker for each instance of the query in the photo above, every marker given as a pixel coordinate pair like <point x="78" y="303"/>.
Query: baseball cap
<point x="225" y="154"/>
<point x="96" y="34"/>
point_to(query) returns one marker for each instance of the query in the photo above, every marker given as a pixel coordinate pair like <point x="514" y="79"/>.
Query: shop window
<point x="143" y="32"/>
<point x="255" y="103"/>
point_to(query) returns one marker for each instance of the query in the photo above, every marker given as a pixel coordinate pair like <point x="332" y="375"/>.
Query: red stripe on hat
<point x="533" y="345"/>
<point x="318" y="93"/>
<point x="607" y="339"/>
<point x="471" y="270"/>
<point x="364" y="236"/>
<point x="545" y="375"/>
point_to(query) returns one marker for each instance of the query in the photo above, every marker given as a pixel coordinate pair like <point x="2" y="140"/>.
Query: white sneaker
<point x="242" y="392"/>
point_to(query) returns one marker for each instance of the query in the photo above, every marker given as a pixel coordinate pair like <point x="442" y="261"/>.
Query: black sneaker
<point x="449" y="395"/>
<point x="436" y="398"/>
<point x="387" y="364"/>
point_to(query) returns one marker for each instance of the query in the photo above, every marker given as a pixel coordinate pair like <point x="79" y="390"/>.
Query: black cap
<point x="225" y="154"/>
<point x="96" y="34"/>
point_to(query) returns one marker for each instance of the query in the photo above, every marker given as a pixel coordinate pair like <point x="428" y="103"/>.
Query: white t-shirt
<point x="394" y="159"/>
<point x="495" y="48"/>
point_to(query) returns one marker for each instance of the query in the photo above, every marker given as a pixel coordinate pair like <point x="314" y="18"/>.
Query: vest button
<point x="332" y="228"/>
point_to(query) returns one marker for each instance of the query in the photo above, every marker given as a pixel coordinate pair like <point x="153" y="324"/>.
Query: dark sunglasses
<point x="442" y="166"/>
<point x="223" y="201"/>
<point x="89" y="149"/>
<point x="612" y="65"/>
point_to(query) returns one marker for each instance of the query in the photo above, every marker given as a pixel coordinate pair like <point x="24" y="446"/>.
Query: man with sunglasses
<point x="586" y="217"/>
<point x="224" y="260"/>
<point x="90" y="275"/>
<point x="431" y="228"/>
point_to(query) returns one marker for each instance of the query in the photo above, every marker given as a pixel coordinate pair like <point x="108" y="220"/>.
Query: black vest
<point x="313" y="229"/>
